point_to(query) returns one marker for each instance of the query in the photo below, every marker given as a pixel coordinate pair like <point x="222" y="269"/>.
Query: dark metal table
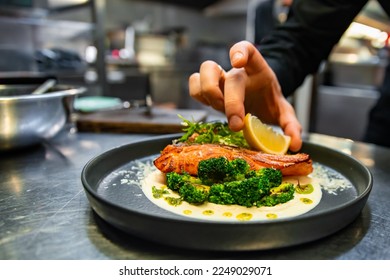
<point x="45" y="213"/>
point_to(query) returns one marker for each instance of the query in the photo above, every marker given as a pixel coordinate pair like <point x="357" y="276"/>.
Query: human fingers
<point x="246" y="60"/>
<point x="234" y="94"/>
<point x="293" y="129"/>
<point x="244" y="54"/>
<point x="291" y="126"/>
<point x="211" y="84"/>
<point x="195" y="89"/>
<point x="246" y="80"/>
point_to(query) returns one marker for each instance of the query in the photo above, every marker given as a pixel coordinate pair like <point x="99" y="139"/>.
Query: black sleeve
<point x="296" y="48"/>
<point x="265" y="20"/>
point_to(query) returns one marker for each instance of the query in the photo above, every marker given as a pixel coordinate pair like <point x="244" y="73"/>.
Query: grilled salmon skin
<point x="181" y="158"/>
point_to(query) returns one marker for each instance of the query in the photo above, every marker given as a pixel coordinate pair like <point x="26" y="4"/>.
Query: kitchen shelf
<point x="40" y="21"/>
<point x="45" y="26"/>
<point x="67" y="27"/>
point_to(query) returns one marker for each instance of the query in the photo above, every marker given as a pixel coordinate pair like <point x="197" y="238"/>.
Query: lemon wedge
<point x="263" y="137"/>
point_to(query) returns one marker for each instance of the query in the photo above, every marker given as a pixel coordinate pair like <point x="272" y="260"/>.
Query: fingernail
<point x="235" y="123"/>
<point x="236" y="57"/>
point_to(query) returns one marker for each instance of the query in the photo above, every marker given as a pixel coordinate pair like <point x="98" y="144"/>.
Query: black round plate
<point x="127" y="208"/>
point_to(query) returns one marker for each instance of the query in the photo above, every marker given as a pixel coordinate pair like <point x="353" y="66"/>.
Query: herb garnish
<point x="216" y="132"/>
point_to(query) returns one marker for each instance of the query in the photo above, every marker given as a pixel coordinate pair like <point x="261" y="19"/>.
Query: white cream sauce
<point x="300" y="204"/>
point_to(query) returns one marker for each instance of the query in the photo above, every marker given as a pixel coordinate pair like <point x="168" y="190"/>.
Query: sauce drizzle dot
<point x="244" y="216"/>
<point x="228" y="214"/>
<point x="271" y="216"/>
<point x="208" y="212"/>
<point x="306" y="200"/>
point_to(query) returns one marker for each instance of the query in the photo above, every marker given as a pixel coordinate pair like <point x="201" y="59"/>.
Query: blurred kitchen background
<point x="132" y="49"/>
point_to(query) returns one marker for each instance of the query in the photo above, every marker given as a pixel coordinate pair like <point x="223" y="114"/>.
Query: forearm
<point x="297" y="47"/>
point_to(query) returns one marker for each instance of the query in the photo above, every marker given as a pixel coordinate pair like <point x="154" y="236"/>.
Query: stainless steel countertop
<point x="45" y="213"/>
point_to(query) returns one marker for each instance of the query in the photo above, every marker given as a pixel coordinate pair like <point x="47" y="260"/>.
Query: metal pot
<point x="27" y="119"/>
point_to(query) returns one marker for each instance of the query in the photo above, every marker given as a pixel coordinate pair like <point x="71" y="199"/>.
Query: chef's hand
<point x="249" y="87"/>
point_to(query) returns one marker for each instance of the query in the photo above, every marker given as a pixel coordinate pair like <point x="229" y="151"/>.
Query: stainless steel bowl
<point x="27" y="119"/>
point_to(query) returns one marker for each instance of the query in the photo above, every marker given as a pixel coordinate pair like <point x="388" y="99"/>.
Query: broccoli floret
<point x="239" y="169"/>
<point x="212" y="170"/>
<point x="272" y="177"/>
<point x="194" y="193"/>
<point x="175" y="180"/>
<point x="220" y="194"/>
<point x="244" y="192"/>
<point x="218" y="170"/>
<point x="189" y="188"/>
<point x="280" y="194"/>
<point x="247" y="192"/>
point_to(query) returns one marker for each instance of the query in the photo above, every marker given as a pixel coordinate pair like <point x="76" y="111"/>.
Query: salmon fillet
<point x="181" y="158"/>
